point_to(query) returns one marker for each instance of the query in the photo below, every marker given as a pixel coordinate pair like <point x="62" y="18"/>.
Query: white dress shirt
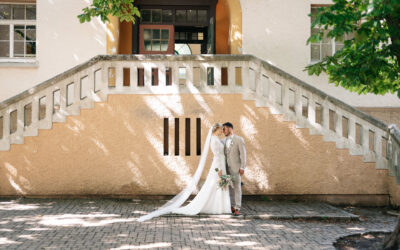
<point x="229" y="141"/>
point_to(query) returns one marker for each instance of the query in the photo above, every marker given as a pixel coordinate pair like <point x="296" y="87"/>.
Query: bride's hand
<point x="220" y="173"/>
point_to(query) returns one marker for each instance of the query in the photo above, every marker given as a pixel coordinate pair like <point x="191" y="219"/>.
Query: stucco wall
<point x="394" y="192"/>
<point x="277" y="31"/>
<point x="62" y="43"/>
<point x="117" y="148"/>
<point x="387" y="115"/>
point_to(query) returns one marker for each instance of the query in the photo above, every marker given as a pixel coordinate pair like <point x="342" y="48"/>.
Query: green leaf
<point x="369" y="62"/>
<point x="123" y="9"/>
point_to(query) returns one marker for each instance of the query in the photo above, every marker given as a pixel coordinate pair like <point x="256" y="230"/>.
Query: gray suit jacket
<point x="235" y="154"/>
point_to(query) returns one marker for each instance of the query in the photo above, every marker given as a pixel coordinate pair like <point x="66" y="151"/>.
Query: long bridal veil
<point x="180" y="198"/>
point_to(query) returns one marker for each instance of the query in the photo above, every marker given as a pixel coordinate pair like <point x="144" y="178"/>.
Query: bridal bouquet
<point x="224" y="181"/>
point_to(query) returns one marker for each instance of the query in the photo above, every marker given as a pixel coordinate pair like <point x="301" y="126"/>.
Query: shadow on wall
<point x="117" y="149"/>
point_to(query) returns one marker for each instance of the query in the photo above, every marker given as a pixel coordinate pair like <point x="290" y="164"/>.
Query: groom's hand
<point x="241" y="171"/>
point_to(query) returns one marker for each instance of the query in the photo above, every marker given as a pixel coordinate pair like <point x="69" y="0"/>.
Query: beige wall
<point x="117" y="148"/>
<point x="394" y="190"/>
<point x="62" y="43"/>
<point x="277" y="31"/>
<point x="387" y="115"/>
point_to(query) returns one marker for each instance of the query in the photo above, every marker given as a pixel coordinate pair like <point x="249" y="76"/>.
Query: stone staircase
<point x="80" y="87"/>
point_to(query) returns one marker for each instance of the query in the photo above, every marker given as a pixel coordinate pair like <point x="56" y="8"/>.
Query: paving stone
<point x="111" y="224"/>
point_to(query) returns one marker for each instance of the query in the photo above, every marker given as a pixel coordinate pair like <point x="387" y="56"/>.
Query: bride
<point x="211" y="199"/>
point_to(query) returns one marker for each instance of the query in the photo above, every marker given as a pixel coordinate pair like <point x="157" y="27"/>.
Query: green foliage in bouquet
<point x="225" y="181"/>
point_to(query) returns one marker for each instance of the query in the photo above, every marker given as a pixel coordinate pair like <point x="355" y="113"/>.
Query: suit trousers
<point x="235" y="192"/>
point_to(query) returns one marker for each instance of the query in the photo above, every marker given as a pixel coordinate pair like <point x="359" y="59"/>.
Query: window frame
<point x="171" y="41"/>
<point x="332" y="40"/>
<point x="18" y="22"/>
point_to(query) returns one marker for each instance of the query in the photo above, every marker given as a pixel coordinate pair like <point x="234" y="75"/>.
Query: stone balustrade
<point x="90" y="82"/>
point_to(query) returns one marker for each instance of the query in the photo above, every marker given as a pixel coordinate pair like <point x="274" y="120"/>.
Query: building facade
<point x="131" y="137"/>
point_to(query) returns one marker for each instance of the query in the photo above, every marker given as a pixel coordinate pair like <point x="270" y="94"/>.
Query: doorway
<point x="175" y="27"/>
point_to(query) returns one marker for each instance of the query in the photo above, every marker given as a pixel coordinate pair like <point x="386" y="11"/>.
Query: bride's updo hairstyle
<point x="216" y="126"/>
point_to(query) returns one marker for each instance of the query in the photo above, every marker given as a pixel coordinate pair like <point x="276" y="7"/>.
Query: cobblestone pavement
<point x="110" y="224"/>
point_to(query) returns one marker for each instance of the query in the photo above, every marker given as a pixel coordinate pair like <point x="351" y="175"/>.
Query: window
<point x="191" y="16"/>
<point x="189" y="36"/>
<point x="17" y="31"/>
<point x="156" y="39"/>
<point x="152" y="16"/>
<point x="328" y="46"/>
<point x="169" y="16"/>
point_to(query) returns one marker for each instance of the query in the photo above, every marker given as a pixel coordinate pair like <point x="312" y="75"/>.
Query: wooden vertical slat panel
<point x="176" y="148"/>
<point x="198" y="136"/>
<point x="166" y="136"/>
<point x="187" y="136"/>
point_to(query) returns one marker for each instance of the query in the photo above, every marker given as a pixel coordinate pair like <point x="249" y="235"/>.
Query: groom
<point x="235" y="152"/>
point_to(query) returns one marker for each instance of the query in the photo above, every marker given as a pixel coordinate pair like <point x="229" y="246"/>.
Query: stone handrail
<point x="81" y="86"/>
<point x="394" y="152"/>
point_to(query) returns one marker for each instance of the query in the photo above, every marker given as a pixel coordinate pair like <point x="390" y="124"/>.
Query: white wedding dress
<point x="211" y="199"/>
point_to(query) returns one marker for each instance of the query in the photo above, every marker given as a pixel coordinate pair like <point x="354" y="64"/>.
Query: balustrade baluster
<point x="300" y="120"/>
<point x="325" y="116"/>
<point x="91" y="96"/>
<point x="147" y="75"/>
<point x="245" y="80"/>
<point x="60" y="115"/>
<point x="392" y="155"/>
<point x="175" y="74"/>
<point x="47" y="122"/>
<point x="380" y="159"/>
<point x="311" y="110"/>
<point x="285" y="96"/>
<point x="5" y="140"/>
<point x="397" y="166"/>
<point x="231" y="76"/>
<point x="217" y="75"/>
<point x="133" y="75"/>
<point x="119" y="76"/>
<point x="258" y="88"/>
<point x="18" y="136"/>
<point x="352" y="131"/>
<point x="338" y="123"/>
<point x="368" y="155"/>
<point x="75" y="107"/>
<point x="189" y="74"/>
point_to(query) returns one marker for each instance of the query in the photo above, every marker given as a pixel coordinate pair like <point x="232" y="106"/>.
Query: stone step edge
<point x="348" y="217"/>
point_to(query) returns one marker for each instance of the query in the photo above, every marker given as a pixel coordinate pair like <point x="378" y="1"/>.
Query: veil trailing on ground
<point x="180" y="198"/>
